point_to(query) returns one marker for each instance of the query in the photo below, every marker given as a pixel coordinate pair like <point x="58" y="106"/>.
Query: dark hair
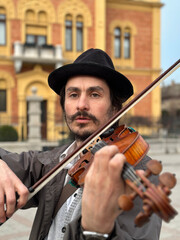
<point x="116" y="100"/>
<point x="62" y="97"/>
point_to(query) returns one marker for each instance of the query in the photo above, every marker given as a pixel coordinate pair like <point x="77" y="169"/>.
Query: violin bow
<point x="61" y="165"/>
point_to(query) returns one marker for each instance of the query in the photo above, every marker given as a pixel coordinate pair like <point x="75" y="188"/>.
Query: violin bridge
<point x="91" y="145"/>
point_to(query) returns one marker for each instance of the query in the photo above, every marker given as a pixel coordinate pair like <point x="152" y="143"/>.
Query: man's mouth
<point x="82" y="119"/>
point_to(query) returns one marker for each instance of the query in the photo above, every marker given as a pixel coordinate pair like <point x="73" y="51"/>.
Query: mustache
<point x="83" y="114"/>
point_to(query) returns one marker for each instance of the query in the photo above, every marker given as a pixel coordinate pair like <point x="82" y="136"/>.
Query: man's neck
<point x="78" y="143"/>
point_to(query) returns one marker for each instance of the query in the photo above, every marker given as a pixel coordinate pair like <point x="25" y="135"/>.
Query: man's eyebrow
<point x="95" y="88"/>
<point x="90" y="89"/>
<point x="72" y="89"/>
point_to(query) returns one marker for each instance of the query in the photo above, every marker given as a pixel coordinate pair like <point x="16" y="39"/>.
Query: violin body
<point x="131" y="144"/>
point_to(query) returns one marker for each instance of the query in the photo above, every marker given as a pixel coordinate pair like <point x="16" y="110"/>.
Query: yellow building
<point x="38" y="36"/>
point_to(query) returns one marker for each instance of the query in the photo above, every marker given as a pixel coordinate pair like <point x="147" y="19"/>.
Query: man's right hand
<point x="10" y="186"/>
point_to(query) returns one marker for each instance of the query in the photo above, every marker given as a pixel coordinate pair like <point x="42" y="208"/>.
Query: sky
<point x="170" y="38"/>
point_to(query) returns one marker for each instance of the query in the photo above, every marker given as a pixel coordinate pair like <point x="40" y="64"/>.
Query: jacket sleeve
<point x="31" y="166"/>
<point x="26" y="167"/>
<point x="124" y="229"/>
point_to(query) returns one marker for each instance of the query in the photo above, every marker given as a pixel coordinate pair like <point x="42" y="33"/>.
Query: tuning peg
<point x="153" y="167"/>
<point x="126" y="201"/>
<point x="141" y="219"/>
<point x="168" y="179"/>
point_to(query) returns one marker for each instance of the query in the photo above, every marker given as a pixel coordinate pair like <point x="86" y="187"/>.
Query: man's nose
<point x="82" y="103"/>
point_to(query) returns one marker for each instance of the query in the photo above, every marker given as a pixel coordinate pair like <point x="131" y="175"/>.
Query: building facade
<point x="171" y="108"/>
<point x="38" y="36"/>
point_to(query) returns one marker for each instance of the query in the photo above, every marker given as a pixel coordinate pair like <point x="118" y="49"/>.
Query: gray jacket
<point x="31" y="166"/>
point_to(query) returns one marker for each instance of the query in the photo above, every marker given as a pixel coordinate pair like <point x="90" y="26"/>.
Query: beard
<point x="81" y="135"/>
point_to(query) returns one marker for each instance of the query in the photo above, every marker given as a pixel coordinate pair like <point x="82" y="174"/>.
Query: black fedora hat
<point x="93" y="62"/>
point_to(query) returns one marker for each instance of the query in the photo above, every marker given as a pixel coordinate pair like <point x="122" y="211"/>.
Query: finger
<point x="103" y="156"/>
<point x="10" y="202"/>
<point x="140" y="171"/>
<point x="116" y="166"/>
<point x="99" y="167"/>
<point x="2" y="210"/>
<point x="23" y="194"/>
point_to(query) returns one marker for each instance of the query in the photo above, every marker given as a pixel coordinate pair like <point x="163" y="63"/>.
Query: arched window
<point x="42" y="17"/>
<point x="3" y="96"/>
<point x="127" y="43"/>
<point x="79" y="33"/>
<point x="68" y="34"/>
<point x="2" y="26"/>
<point x="30" y="15"/>
<point x="117" y="42"/>
<point x="2" y="100"/>
<point x="35" y="34"/>
<point x="33" y="39"/>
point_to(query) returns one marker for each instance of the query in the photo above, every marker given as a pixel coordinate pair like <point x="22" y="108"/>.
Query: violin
<point x="60" y="166"/>
<point x="134" y="147"/>
<point x="129" y="142"/>
<point x="121" y="133"/>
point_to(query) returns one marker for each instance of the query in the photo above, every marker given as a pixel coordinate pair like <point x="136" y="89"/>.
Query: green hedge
<point x="8" y="133"/>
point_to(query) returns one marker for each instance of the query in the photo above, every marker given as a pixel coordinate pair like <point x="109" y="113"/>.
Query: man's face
<point x="87" y="105"/>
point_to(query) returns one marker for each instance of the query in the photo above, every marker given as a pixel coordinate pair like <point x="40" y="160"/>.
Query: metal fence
<point x="164" y="127"/>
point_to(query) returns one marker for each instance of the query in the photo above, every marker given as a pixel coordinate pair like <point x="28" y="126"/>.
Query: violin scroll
<point x="155" y="198"/>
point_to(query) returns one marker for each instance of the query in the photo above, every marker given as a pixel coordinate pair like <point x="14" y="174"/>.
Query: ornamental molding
<point x="9" y="80"/>
<point x="37" y="6"/>
<point x="74" y="8"/>
<point x="9" y="7"/>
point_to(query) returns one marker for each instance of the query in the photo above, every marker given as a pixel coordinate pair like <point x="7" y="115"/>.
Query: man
<point x="91" y="92"/>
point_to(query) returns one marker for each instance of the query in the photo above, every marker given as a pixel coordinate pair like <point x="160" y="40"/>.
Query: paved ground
<point x="18" y="227"/>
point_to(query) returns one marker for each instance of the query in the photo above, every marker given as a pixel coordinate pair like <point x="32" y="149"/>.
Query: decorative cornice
<point x="142" y="3"/>
<point x="146" y="71"/>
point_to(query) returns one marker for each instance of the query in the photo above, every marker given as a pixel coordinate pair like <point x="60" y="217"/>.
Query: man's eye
<point x="95" y="95"/>
<point x="73" y="95"/>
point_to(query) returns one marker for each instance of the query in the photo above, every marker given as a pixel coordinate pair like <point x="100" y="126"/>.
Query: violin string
<point x="129" y="173"/>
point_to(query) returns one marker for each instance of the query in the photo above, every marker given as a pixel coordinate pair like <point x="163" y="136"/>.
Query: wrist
<point x="91" y="235"/>
<point x="87" y="235"/>
<point x="95" y="226"/>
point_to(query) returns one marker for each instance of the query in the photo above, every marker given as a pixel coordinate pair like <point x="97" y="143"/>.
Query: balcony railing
<point x="38" y="54"/>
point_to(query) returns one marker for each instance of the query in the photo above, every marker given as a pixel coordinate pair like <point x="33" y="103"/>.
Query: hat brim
<point x="116" y="81"/>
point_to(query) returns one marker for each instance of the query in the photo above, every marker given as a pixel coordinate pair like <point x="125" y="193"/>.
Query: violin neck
<point x="130" y="174"/>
